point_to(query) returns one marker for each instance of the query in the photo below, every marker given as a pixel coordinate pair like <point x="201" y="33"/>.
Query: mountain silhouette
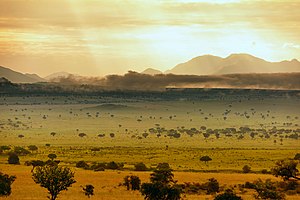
<point x="233" y="64"/>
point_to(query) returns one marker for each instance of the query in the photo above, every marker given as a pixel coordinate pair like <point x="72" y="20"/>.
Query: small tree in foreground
<point x="88" y="190"/>
<point x="162" y="185"/>
<point x="286" y="169"/>
<point x="5" y="184"/>
<point x="54" y="178"/>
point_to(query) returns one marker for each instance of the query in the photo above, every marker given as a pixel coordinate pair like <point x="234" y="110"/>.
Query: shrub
<point x="212" y="186"/>
<point x="98" y="167"/>
<point x="140" y="167"/>
<point x="82" y="164"/>
<point x="13" y="158"/>
<point x="246" y="169"/>
<point x="32" y="147"/>
<point x="114" y="165"/>
<point x="88" y="190"/>
<point x="227" y="195"/>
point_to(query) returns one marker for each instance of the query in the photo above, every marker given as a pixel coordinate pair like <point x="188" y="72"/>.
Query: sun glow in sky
<point x="98" y="37"/>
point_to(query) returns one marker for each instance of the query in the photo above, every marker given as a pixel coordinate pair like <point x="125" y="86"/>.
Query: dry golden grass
<point x="107" y="184"/>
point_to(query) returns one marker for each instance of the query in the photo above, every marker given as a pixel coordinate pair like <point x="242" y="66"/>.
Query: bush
<point x="32" y="147"/>
<point x="98" y="167"/>
<point x="88" y="190"/>
<point x="5" y="184"/>
<point x="227" y="195"/>
<point x="246" y="169"/>
<point x="82" y="164"/>
<point x="21" y="151"/>
<point x="13" y="158"/>
<point x="212" y="186"/>
<point x="140" y="167"/>
<point x="114" y="165"/>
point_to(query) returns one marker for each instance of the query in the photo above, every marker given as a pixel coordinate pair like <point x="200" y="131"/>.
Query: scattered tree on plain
<point x="205" y="159"/>
<point x="54" y="178"/>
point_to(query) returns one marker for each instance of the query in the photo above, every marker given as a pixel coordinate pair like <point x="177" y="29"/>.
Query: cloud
<point x="291" y="45"/>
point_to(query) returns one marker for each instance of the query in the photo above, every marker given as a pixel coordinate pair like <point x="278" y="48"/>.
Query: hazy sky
<point x="97" y="37"/>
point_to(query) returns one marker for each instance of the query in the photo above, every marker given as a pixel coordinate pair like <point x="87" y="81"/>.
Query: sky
<point x="99" y="37"/>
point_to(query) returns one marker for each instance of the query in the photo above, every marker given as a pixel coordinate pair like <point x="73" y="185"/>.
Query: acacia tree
<point x="5" y="184"/>
<point x="286" y="169"/>
<point x="54" y="178"/>
<point x="205" y="159"/>
<point x="162" y="185"/>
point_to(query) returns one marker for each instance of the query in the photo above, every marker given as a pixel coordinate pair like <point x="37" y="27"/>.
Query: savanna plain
<point x="234" y="128"/>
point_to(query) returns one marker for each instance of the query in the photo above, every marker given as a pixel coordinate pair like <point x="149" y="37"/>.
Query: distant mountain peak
<point x="233" y="64"/>
<point x="151" y="71"/>
<point x="18" y="77"/>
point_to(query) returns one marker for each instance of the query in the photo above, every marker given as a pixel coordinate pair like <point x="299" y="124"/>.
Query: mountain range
<point x="201" y="65"/>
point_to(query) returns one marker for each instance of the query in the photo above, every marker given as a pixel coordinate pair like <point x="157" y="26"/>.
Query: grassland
<point x="36" y="116"/>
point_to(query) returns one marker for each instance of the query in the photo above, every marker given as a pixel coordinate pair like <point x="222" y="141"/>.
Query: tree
<point x="52" y="156"/>
<point x="13" y="158"/>
<point x="161" y="186"/>
<point x="132" y="182"/>
<point x="53" y="134"/>
<point x="227" y="195"/>
<point x="88" y="190"/>
<point x="246" y="169"/>
<point x="286" y="169"/>
<point x="36" y="163"/>
<point x="5" y="184"/>
<point x="205" y="159"/>
<point x="267" y="190"/>
<point x="54" y="178"/>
